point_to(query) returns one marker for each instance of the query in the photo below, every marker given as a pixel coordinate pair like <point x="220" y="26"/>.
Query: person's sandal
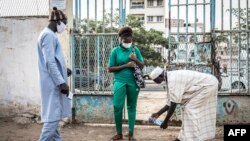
<point x="131" y="137"/>
<point x="117" y="137"/>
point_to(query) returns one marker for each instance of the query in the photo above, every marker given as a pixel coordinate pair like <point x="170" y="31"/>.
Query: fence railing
<point x="90" y="60"/>
<point x="203" y="46"/>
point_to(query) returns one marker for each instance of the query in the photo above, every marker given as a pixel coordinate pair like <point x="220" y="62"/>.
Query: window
<point x="150" y="3"/>
<point x="150" y="18"/>
<point x="159" y="18"/>
<point x="141" y="19"/>
<point x="137" y="5"/>
<point x="159" y="2"/>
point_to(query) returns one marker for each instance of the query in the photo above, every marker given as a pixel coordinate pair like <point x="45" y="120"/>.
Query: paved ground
<point x="150" y="100"/>
<point x="10" y="131"/>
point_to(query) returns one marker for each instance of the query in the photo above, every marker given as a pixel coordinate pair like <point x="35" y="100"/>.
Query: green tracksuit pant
<point x="121" y="90"/>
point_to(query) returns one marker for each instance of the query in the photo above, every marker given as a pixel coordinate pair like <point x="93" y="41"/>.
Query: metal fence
<point x="10" y="8"/>
<point x="234" y="65"/>
<point x="203" y="46"/>
<point x="90" y="59"/>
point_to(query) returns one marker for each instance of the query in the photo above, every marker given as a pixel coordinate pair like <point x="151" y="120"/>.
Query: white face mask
<point x="127" y="45"/>
<point x="60" y="28"/>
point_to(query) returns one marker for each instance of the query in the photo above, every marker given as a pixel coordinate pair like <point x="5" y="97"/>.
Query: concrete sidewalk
<point x="148" y="103"/>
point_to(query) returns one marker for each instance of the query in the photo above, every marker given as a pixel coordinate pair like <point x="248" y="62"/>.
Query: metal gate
<point x="90" y="59"/>
<point x="202" y="40"/>
<point x="197" y="43"/>
<point x="92" y="83"/>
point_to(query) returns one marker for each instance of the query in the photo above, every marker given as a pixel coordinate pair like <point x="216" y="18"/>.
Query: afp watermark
<point x="241" y="132"/>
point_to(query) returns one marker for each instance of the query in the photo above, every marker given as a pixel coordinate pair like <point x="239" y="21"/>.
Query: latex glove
<point x="69" y="72"/>
<point x="164" y="124"/>
<point x="64" y="88"/>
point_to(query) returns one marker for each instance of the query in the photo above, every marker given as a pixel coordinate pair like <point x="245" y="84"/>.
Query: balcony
<point x="137" y="11"/>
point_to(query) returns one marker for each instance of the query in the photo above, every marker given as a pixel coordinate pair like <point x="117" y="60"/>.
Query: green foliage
<point x="143" y="39"/>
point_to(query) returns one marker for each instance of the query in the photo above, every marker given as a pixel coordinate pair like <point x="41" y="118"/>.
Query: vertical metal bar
<point x="178" y="28"/>
<point x="195" y="21"/>
<point x="73" y="63"/>
<point x="230" y="45"/>
<point x="204" y="20"/>
<point x="195" y="26"/>
<point x="124" y="13"/>
<point x="222" y="14"/>
<point x="169" y="29"/>
<point x="80" y="11"/>
<point x="239" y="44"/>
<point x="120" y="12"/>
<point x="212" y="28"/>
<point x="80" y="48"/>
<point x="98" y="60"/>
<point x="103" y="58"/>
<point x="248" y="49"/>
<point x="178" y="17"/>
<point x="213" y="16"/>
<point x="186" y="30"/>
<point x="103" y="17"/>
<point x="76" y="13"/>
<point x="88" y="62"/>
<point x="111" y="46"/>
<point x="87" y="16"/>
<point x="94" y="67"/>
<point x="96" y="16"/>
<point x="111" y="16"/>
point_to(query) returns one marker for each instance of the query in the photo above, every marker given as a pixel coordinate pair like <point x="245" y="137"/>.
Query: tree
<point x="143" y="39"/>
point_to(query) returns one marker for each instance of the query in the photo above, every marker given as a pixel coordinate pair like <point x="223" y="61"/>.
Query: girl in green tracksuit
<point x="121" y="63"/>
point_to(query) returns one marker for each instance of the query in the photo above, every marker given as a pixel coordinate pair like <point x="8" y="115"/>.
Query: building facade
<point x="151" y="13"/>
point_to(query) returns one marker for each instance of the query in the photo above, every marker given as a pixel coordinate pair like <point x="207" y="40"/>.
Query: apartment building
<point x="151" y="13"/>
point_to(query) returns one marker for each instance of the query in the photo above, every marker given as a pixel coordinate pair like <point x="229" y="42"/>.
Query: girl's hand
<point x="132" y="56"/>
<point x="130" y="64"/>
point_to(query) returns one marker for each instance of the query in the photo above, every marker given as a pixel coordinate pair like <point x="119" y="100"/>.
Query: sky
<point x="200" y="11"/>
<point x="191" y="10"/>
<point x="15" y="7"/>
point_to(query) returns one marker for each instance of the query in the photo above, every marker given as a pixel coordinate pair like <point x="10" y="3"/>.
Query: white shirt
<point x="183" y="83"/>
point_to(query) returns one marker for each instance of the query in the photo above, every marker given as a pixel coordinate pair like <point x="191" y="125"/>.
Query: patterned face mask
<point x="60" y="28"/>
